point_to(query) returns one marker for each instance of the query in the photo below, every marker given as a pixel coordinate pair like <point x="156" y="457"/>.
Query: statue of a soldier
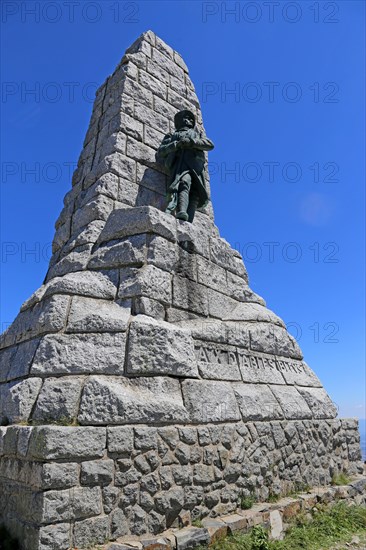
<point x="183" y="155"/>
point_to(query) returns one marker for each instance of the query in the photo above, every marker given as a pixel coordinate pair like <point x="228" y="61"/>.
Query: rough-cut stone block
<point x="59" y="475"/>
<point x="297" y="372"/>
<point x="79" y="503"/>
<point x="190" y="295"/>
<point x="80" y="354"/>
<point x="6" y="359"/>
<point x="319" y="402"/>
<point x="216" y="528"/>
<point x="90" y="532"/>
<point x="120" y="439"/>
<point x="253" y="312"/>
<point x="83" y="283"/>
<point x="149" y="281"/>
<point x="76" y="260"/>
<point x="62" y="442"/>
<point x="190" y="537"/>
<point x="293" y="405"/>
<point x="156" y="347"/>
<point x="276" y="524"/>
<point x="217" y="362"/>
<point x="273" y="339"/>
<point x="162" y="253"/>
<point x="92" y="315"/>
<point x="97" y="472"/>
<point x="109" y="400"/>
<point x="210" y="401"/>
<point x="256" y="402"/>
<point x="55" y="536"/>
<point x="143" y="219"/>
<point x="128" y="251"/>
<point x="17" y="399"/>
<point x="146" y="306"/>
<point x="235" y="522"/>
<point x="210" y="330"/>
<point x="19" y="363"/>
<point x="46" y="316"/>
<point x="257" y="367"/>
<point x="58" y="399"/>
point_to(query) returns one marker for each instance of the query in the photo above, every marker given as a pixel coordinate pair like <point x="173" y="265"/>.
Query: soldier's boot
<point x="183" y="199"/>
<point x="192" y="207"/>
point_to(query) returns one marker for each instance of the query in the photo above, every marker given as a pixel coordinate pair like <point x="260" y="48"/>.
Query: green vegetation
<point x="197" y="523"/>
<point x="320" y="531"/>
<point x="340" y="479"/>
<point x="246" y="502"/>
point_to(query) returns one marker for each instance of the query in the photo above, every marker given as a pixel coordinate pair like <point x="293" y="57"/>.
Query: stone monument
<point x="145" y="385"/>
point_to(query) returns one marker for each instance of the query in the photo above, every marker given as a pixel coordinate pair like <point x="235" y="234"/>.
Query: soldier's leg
<point x="192" y="206"/>
<point x="183" y="197"/>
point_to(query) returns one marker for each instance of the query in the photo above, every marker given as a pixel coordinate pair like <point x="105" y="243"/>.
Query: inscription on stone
<point x="214" y="360"/>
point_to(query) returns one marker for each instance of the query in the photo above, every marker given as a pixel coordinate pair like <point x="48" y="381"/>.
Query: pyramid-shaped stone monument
<point x="145" y="383"/>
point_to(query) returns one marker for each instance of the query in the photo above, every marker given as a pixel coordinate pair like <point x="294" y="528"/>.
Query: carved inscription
<point x="254" y="367"/>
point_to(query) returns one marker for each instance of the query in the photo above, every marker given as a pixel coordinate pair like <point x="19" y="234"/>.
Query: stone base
<point x="66" y="486"/>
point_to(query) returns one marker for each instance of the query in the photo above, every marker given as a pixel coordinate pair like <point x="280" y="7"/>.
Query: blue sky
<point x="281" y="86"/>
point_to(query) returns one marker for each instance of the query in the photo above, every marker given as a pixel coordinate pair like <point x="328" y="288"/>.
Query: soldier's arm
<point x="203" y="143"/>
<point x="167" y="146"/>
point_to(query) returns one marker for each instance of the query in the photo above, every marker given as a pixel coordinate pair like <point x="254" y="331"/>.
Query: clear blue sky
<point x="291" y="133"/>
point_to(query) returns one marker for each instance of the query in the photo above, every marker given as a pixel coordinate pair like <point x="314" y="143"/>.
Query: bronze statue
<point x="183" y="155"/>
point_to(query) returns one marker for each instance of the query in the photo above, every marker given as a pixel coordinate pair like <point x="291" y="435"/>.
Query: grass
<point x="246" y="502"/>
<point x="340" y="479"/>
<point x="326" y="527"/>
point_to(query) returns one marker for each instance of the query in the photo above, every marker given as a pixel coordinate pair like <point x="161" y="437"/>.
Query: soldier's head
<point x="184" y="119"/>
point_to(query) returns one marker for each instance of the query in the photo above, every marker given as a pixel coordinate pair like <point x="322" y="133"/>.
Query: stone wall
<point x="79" y="486"/>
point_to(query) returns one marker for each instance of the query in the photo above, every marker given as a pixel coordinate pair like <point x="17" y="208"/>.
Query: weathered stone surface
<point x="146" y="306"/>
<point x="109" y="400"/>
<point x="190" y="295"/>
<point x="297" y="372"/>
<point x="97" y="472"/>
<point x="253" y="312"/>
<point x="217" y="362"/>
<point x="210" y="401"/>
<point x="91" y="532"/>
<point x="55" y="536"/>
<point x="256" y="402"/>
<point x="62" y="442"/>
<point x="15" y="362"/>
<point x="270" y="338"/>
<point x="190" y="537"/>
<point x="17" y="399"/>
<point x="257" y="367"/>
<point x="92" y="315"/>
<point x="157" y="347"/>
<point x="58" y="399"/>
<point x="83" y="283"/>
<point x="291" y="402"/>
<point x="276" y="524"/>
<point x="59" y="475"/>
<point x="120" y="439"/>
<point x="80" y="354"/>
<point x="46" y="316"/>
<point x="319" y="402"/>
<point x="128" y="251"/>
<point x="132" y="221"/>
<point x="65" y="505"/>
<point x="149" y="281"/>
